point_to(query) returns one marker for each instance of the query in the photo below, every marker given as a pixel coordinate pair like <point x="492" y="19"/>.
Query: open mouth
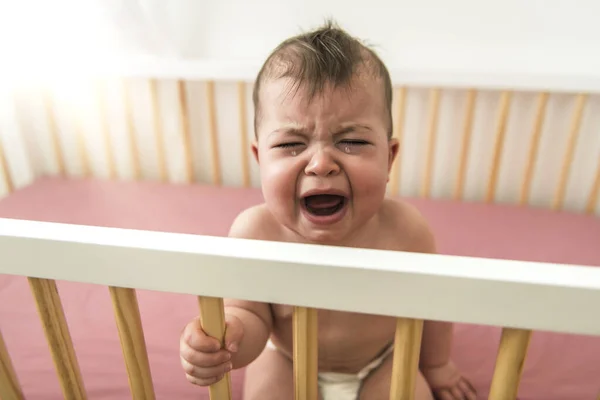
<point x="323" y="205"/>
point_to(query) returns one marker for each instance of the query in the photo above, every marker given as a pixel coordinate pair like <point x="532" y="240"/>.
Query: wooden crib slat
<point x="533" y="148"/>
<point x="305" y="353"/>
<point x="407" y="349"/>
<point x="568" y="158"/>
<point x="158" y="130"/>
<point x="10" y="389"/>
<point x="212" y="319"/>
<point x="214" y="139"/>
<point x="434" y="101"/>
<point x="244" y="133"/>
<point x="509" y="364"/>
<point x="81" y="149"/>
<point x="594" y="193"/>
<point x="185" y="129"/>
<point x="108" y="146"/>
<point x="6" y="176"/>
<point x="503" y="109"/>
<point x="133" y="344"/>
<point x="466" y="141"/>
<point x="53" y="319"/>
<point x="135" y="161"/>
<point x="52" y="126"/>
<point x="398" y="134"/>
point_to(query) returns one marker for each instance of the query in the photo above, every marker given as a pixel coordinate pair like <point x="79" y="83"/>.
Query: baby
<point x="324" y="146"/>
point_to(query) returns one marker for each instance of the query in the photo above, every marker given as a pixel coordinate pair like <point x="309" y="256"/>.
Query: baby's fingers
<point x="467" y="389"/>
<point x="194" y="337"/>
<point x="204" y="382"/>
<point x="204" y="360"/>
<point x="205" y="373"/>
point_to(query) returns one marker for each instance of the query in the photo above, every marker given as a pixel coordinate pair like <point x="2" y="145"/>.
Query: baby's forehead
<point x="290" y="109"/>
<point x="287" y="92"/>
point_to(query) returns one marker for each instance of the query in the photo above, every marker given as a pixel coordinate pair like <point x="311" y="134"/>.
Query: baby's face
<point x="324" y="163"/>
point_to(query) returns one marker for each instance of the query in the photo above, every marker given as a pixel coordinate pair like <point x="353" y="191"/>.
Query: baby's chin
<point x="306" y="232"/>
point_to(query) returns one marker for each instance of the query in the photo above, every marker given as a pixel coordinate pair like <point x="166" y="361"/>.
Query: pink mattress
<point x="559" y="366"/>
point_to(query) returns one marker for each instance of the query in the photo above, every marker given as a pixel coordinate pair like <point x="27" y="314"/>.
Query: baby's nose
<point x="322" y="164"/>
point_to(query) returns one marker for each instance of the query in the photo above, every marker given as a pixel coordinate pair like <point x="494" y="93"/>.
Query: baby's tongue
<point x="323" y="201"/>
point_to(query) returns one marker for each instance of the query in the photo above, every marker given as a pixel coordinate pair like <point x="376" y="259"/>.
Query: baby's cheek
<point x="278" y="183"/>
<point x="369" y="180"/>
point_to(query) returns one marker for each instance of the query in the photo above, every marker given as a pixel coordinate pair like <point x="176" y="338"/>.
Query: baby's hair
<point x="327" y="55"/>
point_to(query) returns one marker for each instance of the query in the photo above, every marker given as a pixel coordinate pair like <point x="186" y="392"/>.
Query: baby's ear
<point x="394" y="146"/>
<point x="255" y="150"/>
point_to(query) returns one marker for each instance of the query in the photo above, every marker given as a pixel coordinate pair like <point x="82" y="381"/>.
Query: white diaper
<point x="340" y="386"/>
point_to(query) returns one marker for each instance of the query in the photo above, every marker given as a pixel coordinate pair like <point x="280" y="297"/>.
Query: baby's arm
<point x="256" y="318"/>
<point x="436" y="341"/>
<point x="257" y="323"/>
<point x="435" y="363"/>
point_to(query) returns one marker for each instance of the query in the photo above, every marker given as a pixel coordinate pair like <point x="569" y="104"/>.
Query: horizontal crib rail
<point x="74" y="246"/>
<point x="469" y="290"/>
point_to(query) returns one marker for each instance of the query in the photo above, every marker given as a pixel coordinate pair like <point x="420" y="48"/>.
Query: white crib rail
<point x="562" y="298"/>
<point x="518" y="296"/>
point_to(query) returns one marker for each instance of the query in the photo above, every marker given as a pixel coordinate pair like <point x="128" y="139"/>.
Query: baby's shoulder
<point x="254" y="223"/>
<point x="406" y="223"/>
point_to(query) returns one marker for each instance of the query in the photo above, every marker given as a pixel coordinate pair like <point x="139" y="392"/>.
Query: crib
<point x="110" y="237"/>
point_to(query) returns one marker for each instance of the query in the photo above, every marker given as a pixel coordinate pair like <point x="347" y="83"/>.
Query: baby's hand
<point x="447" y="383"/>
<point x="202" y="358"/>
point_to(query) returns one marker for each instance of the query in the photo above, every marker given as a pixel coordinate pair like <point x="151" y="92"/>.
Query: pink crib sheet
<point x="558" y="367"/>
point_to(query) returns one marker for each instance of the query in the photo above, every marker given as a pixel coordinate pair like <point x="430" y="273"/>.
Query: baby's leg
<point x="269" y="377"/>
<point x="377" y="385"/>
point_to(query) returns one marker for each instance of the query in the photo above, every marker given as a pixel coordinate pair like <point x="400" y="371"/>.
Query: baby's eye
<point x="288" y="145"/>
<point x="354" y="142"/>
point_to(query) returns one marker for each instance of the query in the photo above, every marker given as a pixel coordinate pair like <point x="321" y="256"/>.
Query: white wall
<point x="541" y="36"/>
<point x="538" y="36"/>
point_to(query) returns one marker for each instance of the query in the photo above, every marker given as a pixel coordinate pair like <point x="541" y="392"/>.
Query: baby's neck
<point x="366" y="236"/>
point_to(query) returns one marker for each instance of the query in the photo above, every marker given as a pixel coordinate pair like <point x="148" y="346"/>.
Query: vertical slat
<point x="305" y="353"/>
<point x="6" y="176"/>
<point x="466" y="141"/>
<point x="405" y="368"/>
<point x="533" y="147"/>
<point x="9" y="384"/>
<point x="81" y="149"/>
<point x="133" y="344"/>
<point x="185" y="128"/>
<point x="108" y="146"/>
<point x="568" y="159"/>
<point x="212" y="319"/>
<point x="214" y="139"/>
<point x="434" y="101"/>
<point x="244" y="133"/>
<point x="53" y="127"/>
<point x="509" y="364"/>
<point x="504" y="107"/>
<point x="135" y="161"/>
<point x="57" y="333"/>
<point x="158" y="130"/>
<point x="594" y="193"/>
<point x="398" y="134"/>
